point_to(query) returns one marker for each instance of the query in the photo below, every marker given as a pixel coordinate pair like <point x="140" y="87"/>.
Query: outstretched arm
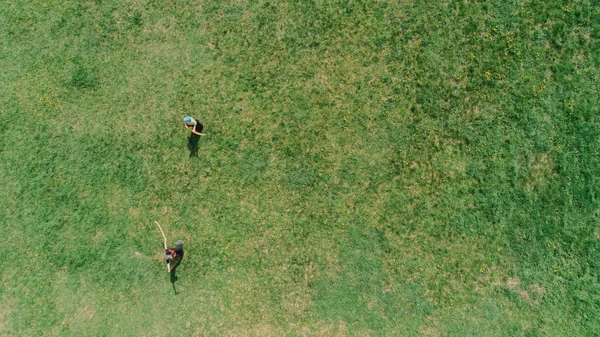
<point x="196" y="132"/>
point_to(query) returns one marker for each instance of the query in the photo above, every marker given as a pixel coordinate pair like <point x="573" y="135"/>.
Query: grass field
<point x="371" y="168"/>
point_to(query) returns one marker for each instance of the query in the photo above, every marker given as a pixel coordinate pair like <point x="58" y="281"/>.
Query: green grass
<point x="370" y="167"/>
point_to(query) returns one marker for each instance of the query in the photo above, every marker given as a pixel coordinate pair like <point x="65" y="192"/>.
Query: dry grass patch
<point x="430" y="327"/>
<point x="541" y="170"/>
<point x="513" y="283"/>
<point x="5" y="311"/>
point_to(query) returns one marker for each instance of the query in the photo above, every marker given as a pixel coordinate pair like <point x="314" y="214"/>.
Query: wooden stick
<point x="163" y="233"/>
<point x="164" y="237"/>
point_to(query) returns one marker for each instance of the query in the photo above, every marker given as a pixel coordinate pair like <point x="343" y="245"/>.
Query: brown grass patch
<point x="5" y="310"/>
<point x="537" y="288"/>
<point x="429" y="328"/>
<point x="96" y="238"/>
<point x="540" y="168"/>
<point x="261" y="329"/>
<point x="513" y="283"/>
<point x="297" y="302"/>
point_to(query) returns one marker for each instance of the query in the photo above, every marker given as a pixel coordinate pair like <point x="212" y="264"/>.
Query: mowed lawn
<point x="370" y="168"/>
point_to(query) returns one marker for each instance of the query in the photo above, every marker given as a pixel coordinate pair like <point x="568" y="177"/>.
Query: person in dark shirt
<point x="194" y="138"/>
<point x="192" y="123"/>
<point x="174" y="256"/>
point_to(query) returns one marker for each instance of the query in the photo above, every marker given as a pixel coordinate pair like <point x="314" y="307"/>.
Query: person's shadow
<point x="193" y="141"/>
<point x="173" y="277"/>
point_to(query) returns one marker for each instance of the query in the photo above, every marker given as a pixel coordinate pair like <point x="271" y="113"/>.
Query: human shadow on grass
<point x="193" y="141"/>
<point x="173" y="278"/>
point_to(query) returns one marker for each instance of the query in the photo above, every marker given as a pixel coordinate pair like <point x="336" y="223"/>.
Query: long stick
<point x="163" y="233"/>
<point x="164" y="237"/>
